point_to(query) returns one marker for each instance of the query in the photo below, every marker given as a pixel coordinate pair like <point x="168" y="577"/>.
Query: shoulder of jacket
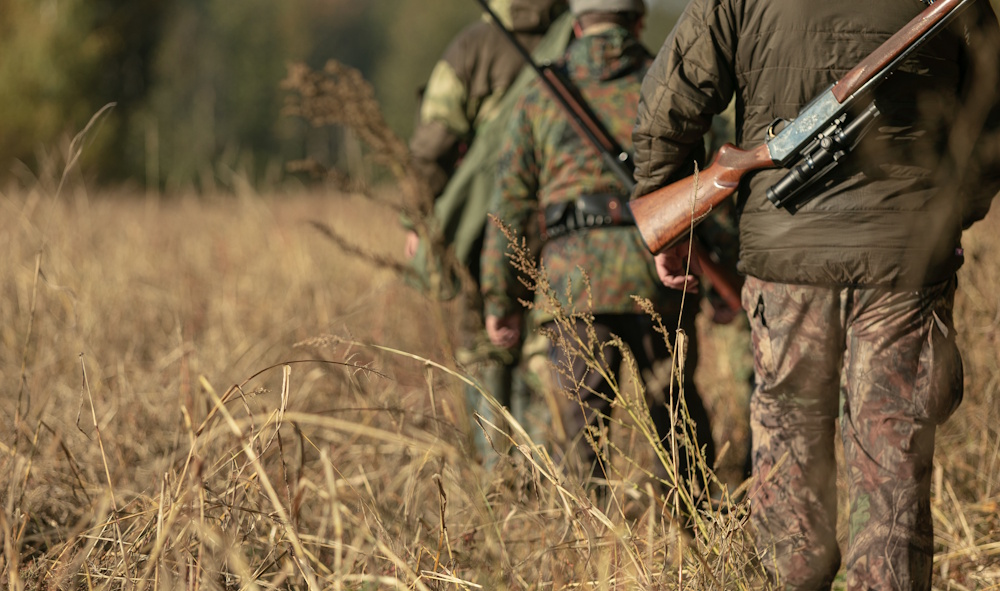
<point x="475" y="32"/>
<point x="476" y="45"/>
<point x="478" y="37"/>
<point x="701" y="13"/>
<point x="705" y="19"/>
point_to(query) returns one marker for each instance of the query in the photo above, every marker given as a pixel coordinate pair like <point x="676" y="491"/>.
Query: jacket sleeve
<point x="515" y="200"/>
<point x="690" y="81"/>
<point x="444" y="122"/>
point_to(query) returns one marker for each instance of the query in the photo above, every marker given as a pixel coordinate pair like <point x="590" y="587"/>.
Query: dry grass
<point x="170" y="432"/>
<point x="209" y="393"/>
<point x="967" y="477"/>
<point x="136" y="458"/>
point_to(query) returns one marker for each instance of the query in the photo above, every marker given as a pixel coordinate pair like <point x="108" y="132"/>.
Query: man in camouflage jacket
<point x="467" y="86"/>
<point x="547" y="168"/>
<point x="463" y="109"/>
<point x="851" y="289"/>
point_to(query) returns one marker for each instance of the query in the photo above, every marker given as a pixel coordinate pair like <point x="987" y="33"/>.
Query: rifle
<point x="825" y="130"/>
<point x="588" y="125"/>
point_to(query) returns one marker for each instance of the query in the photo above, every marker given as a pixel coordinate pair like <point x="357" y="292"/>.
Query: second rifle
<point x="588" y="125"/>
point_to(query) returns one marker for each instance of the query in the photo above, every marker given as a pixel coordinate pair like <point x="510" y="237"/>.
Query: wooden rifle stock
<point x="668" y="214"/>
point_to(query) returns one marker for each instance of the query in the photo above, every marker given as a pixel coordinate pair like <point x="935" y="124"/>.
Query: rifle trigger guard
<point x="772" y="129"/>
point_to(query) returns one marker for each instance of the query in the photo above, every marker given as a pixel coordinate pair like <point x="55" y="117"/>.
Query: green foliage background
<point x="196" y="82"/>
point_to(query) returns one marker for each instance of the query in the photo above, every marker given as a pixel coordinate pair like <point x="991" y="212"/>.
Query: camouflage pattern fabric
<point x="460" y="211"/>
<point x="544" y="162"/>
<point x="893" y="355"/>
<point x="594" y="397"/>
<point x="597" y="270"/>
<point x="464" y="90"/>
<point x="465" y="105"/>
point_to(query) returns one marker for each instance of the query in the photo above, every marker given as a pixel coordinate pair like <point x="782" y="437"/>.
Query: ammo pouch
<point x="588" y="211"/>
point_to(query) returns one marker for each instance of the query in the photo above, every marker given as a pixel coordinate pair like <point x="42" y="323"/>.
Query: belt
<point x="587" y="211"/>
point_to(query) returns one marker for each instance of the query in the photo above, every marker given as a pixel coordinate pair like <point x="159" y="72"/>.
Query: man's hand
<point x="671" y="267"/>
<point x="504" y="332"/>
<point x="411" y="244"/>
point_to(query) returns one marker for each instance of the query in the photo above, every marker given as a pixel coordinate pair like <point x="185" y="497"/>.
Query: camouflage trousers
<point x="590" y="397"/>
<point x="885" y="363"/>
<point x="516" y="380"/>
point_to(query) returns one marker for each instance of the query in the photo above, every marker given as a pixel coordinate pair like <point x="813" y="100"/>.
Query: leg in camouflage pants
<point x="593" y="396"/>
<point x="893" y="354"/>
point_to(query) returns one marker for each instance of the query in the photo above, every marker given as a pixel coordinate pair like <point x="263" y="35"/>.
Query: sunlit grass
<point x="244" y="392"/>
<point x="170" y="430"/>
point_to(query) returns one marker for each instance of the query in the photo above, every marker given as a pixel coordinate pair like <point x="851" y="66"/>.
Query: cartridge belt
<point x="587" y="211"/>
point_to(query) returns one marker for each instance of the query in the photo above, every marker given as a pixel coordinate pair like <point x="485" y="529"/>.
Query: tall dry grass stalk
<point x="193" y="425"/>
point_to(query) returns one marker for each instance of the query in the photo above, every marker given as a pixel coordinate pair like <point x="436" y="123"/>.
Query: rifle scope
<point x="821" y="155"/>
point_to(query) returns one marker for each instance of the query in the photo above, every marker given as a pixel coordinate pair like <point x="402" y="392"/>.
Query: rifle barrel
<point x="890" y="54"/>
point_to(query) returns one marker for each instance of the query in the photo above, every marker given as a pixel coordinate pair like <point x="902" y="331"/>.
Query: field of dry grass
<point x="208" y="393"/>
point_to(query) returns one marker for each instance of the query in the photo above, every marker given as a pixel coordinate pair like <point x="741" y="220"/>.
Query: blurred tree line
<point x="196" y="82"/>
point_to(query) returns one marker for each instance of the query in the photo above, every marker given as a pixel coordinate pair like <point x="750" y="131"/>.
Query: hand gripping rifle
<point x="811" y="144"/>
<point x="588" y="125"/>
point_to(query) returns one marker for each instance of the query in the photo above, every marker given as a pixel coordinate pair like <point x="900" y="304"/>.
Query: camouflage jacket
<point x="459" y="212"/>
<point x="463" y="90"/>
<point x="468" y="82"/>
<point x="544" y="162"/>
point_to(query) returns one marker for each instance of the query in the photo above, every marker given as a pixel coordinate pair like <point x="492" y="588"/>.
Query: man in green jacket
<point x="851" y="289"/>
<point x="468" y="83"/>
<point x="593" y="259"/>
